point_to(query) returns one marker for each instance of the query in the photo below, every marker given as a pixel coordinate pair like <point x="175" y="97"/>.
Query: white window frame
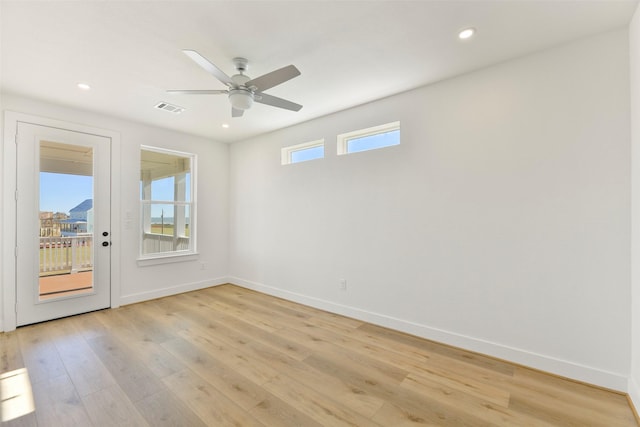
<point x="345" y="138"/>
<point x="287" y="152"/>
<point x="145" y="212"/>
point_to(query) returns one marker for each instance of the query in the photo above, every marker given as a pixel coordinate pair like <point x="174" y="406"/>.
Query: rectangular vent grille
<point x="170" y="108"/>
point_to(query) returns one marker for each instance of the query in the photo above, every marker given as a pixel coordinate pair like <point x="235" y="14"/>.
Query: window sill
<point x="166" y="259"/>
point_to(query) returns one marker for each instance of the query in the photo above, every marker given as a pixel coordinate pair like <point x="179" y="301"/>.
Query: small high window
<point x="167" y="202"/>
<point x="303" y="152"/>
<point x="369" y="139"/>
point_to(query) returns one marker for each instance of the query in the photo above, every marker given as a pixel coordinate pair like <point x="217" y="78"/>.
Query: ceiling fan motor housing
<point x="241" y="64"/>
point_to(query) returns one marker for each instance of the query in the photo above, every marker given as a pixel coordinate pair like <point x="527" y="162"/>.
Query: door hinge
<point x="16" y="307"/>
<point x="15" y="140"/>
<point x="16" y="195"/>
<point x="16" y="252"/>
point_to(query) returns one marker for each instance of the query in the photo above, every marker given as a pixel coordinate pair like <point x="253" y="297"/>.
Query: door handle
<point x="106" y="243"/>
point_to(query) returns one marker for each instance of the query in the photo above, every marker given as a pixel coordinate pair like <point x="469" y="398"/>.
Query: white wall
<point x="139" y="283"/>
<point x="501" y="223"/>
<point x="634" y="55"/>
<point x="1" y="184"/>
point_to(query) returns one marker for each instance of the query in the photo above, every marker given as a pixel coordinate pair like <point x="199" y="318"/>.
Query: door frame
<point x="9" y="241"/>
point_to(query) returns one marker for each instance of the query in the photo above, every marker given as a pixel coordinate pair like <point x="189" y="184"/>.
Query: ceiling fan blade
<point x="198" y="92"/>
<point x="274" y="101"/>
<point x="236" y="112"/>
<point x="208" y="66"/>
<point x="273" y="78"/>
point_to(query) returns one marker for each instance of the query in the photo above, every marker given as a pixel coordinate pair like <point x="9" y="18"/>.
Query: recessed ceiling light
<point x="225" y="125"/>
<point x="466" y="33"/>
<point x="84" y="86"/>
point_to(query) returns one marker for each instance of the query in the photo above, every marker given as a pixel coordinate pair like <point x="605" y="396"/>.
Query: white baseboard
<point x="173" y="290"/>
<point x="548" y="364"/>
<point x="634" y="395"/>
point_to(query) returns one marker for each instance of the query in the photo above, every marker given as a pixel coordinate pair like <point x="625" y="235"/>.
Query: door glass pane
<point x="66" y="220"/>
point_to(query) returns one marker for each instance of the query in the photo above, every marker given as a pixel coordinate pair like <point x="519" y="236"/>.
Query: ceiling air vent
<point x="170" y="108"/>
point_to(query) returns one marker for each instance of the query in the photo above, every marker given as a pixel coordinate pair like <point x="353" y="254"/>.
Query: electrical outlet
<point x="203" y="265"/>
<point x="343" y="284"/>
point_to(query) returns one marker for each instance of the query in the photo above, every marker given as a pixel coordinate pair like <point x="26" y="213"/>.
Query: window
<point x="303" y="152"/>
<point x="167" y="203"/>
<point x="369" y="139"/>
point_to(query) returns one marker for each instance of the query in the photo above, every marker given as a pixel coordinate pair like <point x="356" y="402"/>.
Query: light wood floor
<point x="226" y="356"/>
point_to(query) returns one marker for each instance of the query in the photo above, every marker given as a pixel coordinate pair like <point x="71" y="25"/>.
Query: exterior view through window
<point x="369" y="139"/>
<point x="66" y="220"/>
<point x="303" y="152"/>
<point x="167" y="202"/>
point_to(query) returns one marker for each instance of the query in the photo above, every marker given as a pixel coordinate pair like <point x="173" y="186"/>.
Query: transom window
<point x="369" y="139"/>
<point x="303" y="152"/>
<point x="167" y="202"/>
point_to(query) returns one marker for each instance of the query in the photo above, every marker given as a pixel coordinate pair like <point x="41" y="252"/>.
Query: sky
<point x="62" y="192"/>
<point x="355" y="145"/>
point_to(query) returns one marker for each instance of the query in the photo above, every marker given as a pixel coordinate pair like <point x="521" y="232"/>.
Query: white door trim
<point x="8" y="241"/>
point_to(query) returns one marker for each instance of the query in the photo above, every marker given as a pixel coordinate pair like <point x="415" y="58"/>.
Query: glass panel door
<point x="63" y="223"/>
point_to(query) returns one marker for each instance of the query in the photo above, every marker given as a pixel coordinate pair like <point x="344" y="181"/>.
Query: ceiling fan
<point x="242" y="90"/>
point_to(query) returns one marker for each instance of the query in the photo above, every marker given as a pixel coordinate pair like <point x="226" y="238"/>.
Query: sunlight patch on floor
<point x="16" y="397"/>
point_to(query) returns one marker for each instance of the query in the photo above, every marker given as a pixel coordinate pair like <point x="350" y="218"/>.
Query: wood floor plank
<point x="324" y="410"/>
<point x="39" y="352"/>
<point x="261" y="322"/>
<point x="145" y="324"/>
<point x="164" y="409"/>
<point x="135" y="379"/>
<point x="58" y="403"/>
<point x="353" y="398"/>
<point x="111" y="407"/>
<point x="211" y="405"/>
<point x="231" y="355"/>
<point x="444" y="350"/>
<point x="89" y="325"/>
<point x="533" y="394"/>
<point x="404" y="400"/>
<point x="468" y="403"/>
<point x="149" y="352"/>
<point x="385" y="371"/>
<point x="274" y="412"/>
<point x="411" y="358"/>
<point x="228" y="356"/>
<point x="29" y="420"/>
<point x="464" y="376"/>
<point x="291" y="310"/>
<point x="10" y="355"/>
<point x="392" y="414"/>
<point x="275" y="314"/>
<point x="167" y="315"/>
<point x="85" y="369"/>
<point x="243" y="330"/>
<point x="223" y="377"/>
<point x="533" y="382"/>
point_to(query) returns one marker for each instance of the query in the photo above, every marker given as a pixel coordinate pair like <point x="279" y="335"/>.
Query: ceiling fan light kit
<point x="242" y="90"/>
<point x="241" y="99"/>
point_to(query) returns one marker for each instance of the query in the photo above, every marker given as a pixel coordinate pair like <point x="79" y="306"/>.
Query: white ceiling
<point x="349" y="52"/>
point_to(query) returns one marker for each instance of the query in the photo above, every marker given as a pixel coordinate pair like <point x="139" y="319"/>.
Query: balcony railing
<point x="59" y="255"/>
<point x="158" y="243"/>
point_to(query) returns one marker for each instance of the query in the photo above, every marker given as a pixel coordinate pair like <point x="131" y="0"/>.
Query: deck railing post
<point x="74" y="254"/>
